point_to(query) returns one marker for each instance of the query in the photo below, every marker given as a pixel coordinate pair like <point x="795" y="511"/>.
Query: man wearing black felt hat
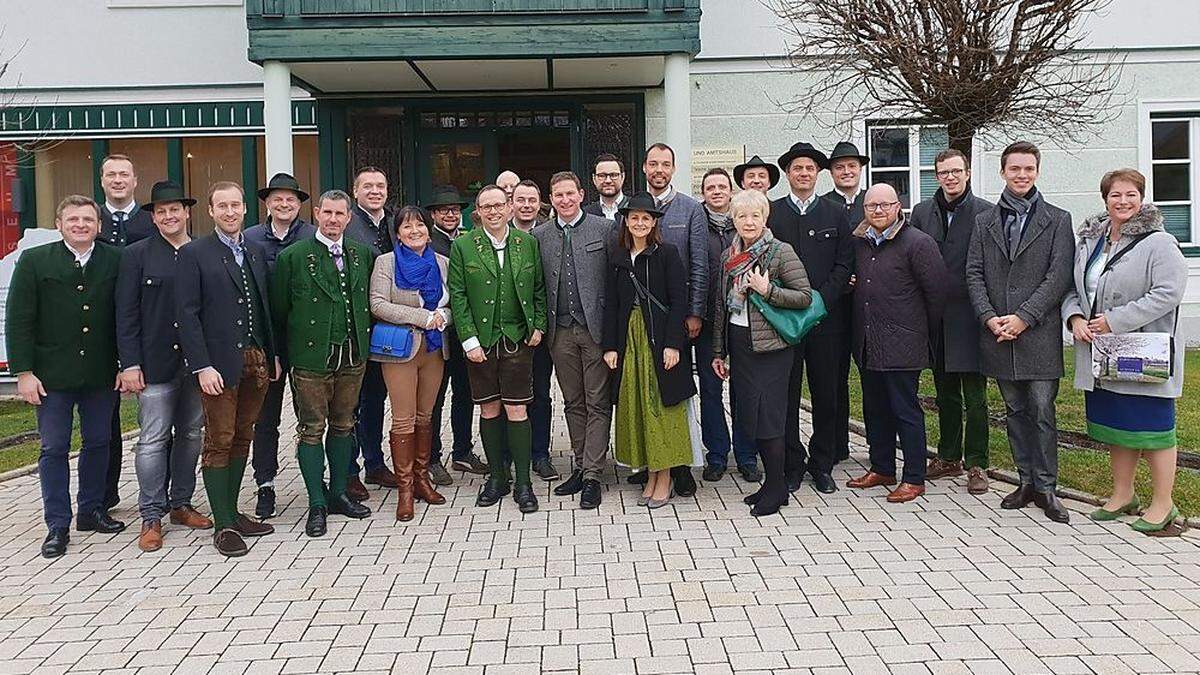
<point x="821" y="234"/>
<point x="756" y="175"/>
<point x="846" y="165"/>
<point x="283" y="227"/>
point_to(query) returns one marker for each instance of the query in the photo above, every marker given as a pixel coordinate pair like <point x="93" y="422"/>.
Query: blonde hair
<point x="746" y="200"/>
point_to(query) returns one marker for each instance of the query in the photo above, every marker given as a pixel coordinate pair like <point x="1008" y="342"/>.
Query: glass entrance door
<point x="464" y="160"/>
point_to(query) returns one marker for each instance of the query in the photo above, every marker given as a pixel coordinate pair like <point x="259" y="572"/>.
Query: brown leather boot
<point x="422" y="488"/>
<point x="403" y="449"/>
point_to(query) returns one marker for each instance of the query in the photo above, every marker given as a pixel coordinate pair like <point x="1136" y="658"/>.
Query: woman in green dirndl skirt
<point x="645" y="343"/>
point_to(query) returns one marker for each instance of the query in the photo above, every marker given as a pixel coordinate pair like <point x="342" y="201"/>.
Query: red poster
<point x="10" y="220"/>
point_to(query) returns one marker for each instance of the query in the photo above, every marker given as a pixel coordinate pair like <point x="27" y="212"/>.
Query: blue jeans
<point x="713" y="431"/>
<point x="171" y="416"/>
<point x="368" y="427"/>
<point x="54" y="420"/>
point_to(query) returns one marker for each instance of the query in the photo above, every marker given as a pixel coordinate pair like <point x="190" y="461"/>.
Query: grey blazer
<point x="959" y="336"/>
<point x="1140" y="294"/>
<point x="1031" y="285"/>
<point x="589" y="246"/>
<point x="404" y="307"/>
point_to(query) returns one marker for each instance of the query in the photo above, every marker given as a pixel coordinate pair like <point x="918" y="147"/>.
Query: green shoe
<point x="1142" y="525"/>
<point x="1101" y="515"/>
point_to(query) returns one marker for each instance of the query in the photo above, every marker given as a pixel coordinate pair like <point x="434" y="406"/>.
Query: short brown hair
<point x="529" y="184"/>
<point x="625" y="239"/>
<point x="951" y="153"/>
<point x="1020" y="148"/>
<point x="116" y="157"/>
<point x="608" y="157"/>
<point x="715" y="171"/>
<point x="488" y="188"/>
<point x="224" y="185"/>
<point x="368" y="169"/>
<point x="565" y="175"/>
<point x="1132" y="175"/>
<point x="662" y="146"/>
<point x="76" y="200"/>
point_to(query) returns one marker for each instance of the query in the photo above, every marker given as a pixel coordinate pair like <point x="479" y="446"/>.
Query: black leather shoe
<point x="750" y="473"/>
<point x="264" y="508"/>
<point x="491" y="493"/>
<point x="824" y="483"/>
<point x="344" y="506"/>
<point x="685" y="484"/>
<point x="545" y="470"/>
<point x="766" y="506"/>
<point x="794" y="481"/>
<point x="1052" y="507"/>
<point x="315" y="525"/>
<point x="1019" y="498"/>
<point x="571" y="485"/>
<point x="98" y="521"/>
<point x="591" y="494"/>
<point x="713" y="473"/>
<point x="525" y="498"/>
<point x="55" y="544"/>
<point x="639" y="478"/>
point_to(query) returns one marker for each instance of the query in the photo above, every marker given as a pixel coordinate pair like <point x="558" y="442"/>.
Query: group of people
<point x="630" y="301"/>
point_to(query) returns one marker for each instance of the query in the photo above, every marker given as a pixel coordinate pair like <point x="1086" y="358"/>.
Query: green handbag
<point x="791" y="324"/>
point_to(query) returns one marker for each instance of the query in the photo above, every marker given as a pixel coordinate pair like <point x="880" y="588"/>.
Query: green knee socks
<point x="312" y="467"/>
<point x="216" y="484"/>
<point x="520" y="445"/>
<point x="492" y="434"/>
<point x="339" y="449"/>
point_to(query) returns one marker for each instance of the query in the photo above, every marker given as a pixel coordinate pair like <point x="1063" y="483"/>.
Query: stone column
<point x="277" y="117"/>
<point x="677" y="110"/>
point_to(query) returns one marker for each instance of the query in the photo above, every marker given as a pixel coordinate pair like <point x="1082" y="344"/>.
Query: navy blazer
<point x="209" y="304"/>
<point x="138" y="226"/>
<point x="147" y="329"/>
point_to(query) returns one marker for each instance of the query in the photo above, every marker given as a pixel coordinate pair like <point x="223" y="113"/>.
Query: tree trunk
<point x="961" y="137"/>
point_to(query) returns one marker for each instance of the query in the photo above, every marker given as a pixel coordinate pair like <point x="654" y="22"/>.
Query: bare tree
<point x="978" y="66"/>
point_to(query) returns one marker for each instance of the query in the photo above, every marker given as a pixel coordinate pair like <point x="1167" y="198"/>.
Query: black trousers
<point x="841" y="431"/>
<point x="115" y="449"/>
<point x="539" y="410"/>
<point x="265" y="456"/>
<point x="891" y="408"/>
<point x="819" y="353"/>
<point x="462" y="408"/>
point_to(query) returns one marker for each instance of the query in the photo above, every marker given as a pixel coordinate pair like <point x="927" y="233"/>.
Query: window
<point x="62" y="168"/>
<point x="1172" y="178"/>
<point x="902" y="156"/>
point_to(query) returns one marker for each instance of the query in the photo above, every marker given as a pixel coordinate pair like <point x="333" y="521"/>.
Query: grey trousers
<point x="170" y="416"/>
<point x="1032" y="430"/>
<point x="583" y="378"/>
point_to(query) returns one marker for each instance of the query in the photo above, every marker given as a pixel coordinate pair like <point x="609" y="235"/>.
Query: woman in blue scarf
<point x="410" y="303"/>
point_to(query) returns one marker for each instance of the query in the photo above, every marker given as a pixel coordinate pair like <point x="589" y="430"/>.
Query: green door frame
<point x="333" y="141"/>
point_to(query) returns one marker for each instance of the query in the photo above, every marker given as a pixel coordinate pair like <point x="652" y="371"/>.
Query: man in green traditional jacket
<point x="496" y="287"/>
<point x="62" y="346"/>
<point x="319" y="293"/>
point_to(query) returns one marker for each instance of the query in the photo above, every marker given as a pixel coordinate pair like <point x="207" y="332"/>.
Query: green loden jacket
<point x="306" y="300"/>
<point x="60" y="321"/>
<point x="474" y="282"/>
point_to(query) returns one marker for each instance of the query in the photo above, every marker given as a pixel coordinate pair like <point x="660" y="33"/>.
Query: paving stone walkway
<point x="833" y="584"/>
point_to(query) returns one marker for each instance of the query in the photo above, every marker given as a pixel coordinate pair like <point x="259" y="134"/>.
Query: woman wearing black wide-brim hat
<point x="646" y="345"/>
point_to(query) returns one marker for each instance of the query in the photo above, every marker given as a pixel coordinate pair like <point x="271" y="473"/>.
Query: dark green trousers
<point x="959" y="396"/>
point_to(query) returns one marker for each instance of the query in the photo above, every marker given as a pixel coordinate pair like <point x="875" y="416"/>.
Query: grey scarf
<point x="1016" y="210"/>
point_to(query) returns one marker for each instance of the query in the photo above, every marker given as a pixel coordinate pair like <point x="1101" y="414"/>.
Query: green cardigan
<point x="60" y="321"/>
<point x="474" y="280"/>
<point x="305" y="300"/>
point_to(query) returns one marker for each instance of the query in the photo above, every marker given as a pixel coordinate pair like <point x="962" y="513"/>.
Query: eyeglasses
<point x="492" y="207"/>
<point x="608" y="176"/>
<point x="950" y="172"/>
<point x="881" y="206"/>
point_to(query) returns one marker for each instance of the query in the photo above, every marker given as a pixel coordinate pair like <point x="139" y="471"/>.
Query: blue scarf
<point x="421" y="273"/>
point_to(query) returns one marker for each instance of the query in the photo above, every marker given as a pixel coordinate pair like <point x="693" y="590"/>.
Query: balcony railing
<point x="316" y="8"/>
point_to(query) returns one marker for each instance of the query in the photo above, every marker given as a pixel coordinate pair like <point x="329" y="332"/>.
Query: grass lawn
<point x="17" y="417"/>
<point x="1086" y="470"/>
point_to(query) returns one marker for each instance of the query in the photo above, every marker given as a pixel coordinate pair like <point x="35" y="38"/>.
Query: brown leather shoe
<point x="940" y="468"/>
<point x="150" y="539"/>
<point x="905" y="493"/>
<point x="977" y="482"/>
<point x="871" y="479"/>
<point x="403" y="448"/>
<point x="356" y="490"/>
<point x="422" y="487"/>
<point x="186" y="515"/>
<point x="229" y="543"/>
<point x="248" y="527"/>
<point x="381" y="477"/>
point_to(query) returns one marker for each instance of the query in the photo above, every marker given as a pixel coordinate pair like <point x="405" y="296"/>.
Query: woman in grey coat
<point x="1130" y="277"/>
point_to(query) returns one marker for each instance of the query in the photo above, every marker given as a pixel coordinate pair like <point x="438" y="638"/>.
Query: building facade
<point x="441" y="92"/>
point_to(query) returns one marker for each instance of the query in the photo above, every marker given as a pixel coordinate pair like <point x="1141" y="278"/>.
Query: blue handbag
<point x="388" y="339"/>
